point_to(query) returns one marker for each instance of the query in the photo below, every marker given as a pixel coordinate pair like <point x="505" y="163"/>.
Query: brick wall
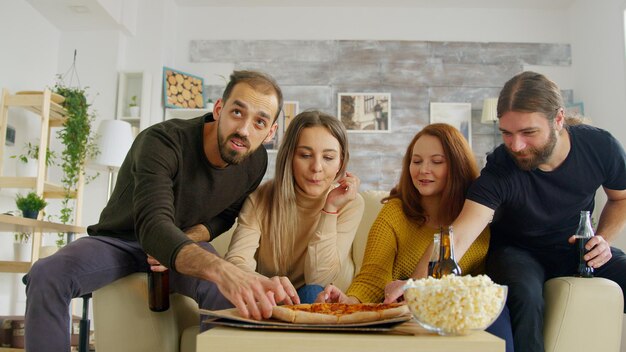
<point x="415" y="73"/>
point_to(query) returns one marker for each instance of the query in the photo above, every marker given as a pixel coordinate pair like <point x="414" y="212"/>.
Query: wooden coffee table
<point x="406" y="337"/>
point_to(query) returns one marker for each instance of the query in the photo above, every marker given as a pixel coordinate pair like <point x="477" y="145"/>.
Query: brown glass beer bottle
<point x="158" y="290"/>
<point x="434" y="255"/>
<point x="447" y="264"/>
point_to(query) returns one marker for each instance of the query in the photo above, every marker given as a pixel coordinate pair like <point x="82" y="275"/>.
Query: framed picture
<point x="575" y="109"/>
<point x="365" y="112"/>
<point x="182" y="90"/>
<point x="289" y="111"/>
<point x="458" y="115"/>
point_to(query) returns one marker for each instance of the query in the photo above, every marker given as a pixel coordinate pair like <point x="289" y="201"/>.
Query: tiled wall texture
<point x="415" y="73"/>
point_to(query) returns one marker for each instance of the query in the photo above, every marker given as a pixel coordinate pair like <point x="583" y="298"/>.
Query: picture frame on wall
<point x="575" y="109"/>
<point x="365" y="112"/>
<point x="458" y="115"/>
<point x="289" y="111"/>
<point x="182" y="90"/>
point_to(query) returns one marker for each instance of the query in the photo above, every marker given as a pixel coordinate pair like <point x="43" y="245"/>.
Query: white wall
<point x="358" y="23"/>
<point x="598" y="65"/>
<point x="34" y="52"/>
<point x="29" y="60"/>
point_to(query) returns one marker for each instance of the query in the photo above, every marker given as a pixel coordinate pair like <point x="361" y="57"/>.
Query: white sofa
<point x="581" y="314"/>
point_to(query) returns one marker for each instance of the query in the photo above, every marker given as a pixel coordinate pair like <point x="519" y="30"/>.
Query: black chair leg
<point x="83" y="334"/>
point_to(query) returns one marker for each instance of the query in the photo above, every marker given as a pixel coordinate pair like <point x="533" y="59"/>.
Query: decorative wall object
<point x="365" y="112"/>
<point x="288" y="112"/>
<point x="458" y="115"/>
<point x="182" y="90"/>
<point x="575" y="109"/>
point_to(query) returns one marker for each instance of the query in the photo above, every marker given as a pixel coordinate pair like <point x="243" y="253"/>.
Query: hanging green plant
<point x="79" y="143"/>
<point x="31" y="151"/>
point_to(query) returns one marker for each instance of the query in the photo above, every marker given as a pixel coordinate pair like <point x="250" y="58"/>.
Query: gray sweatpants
<point x="84" y="266"/>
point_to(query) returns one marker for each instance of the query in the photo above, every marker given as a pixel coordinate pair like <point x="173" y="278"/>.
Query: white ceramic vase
<point x="21" y="251"/>
<point x="28" y="169"/>
<point x="134" y="111"/>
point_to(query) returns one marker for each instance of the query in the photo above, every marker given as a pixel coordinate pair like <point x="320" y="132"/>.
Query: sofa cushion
<point x="372" y="208"/>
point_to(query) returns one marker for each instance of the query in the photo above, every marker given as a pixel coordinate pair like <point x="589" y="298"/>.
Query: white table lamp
<point x="490" y="116"/>
<point x="114" y="140"/>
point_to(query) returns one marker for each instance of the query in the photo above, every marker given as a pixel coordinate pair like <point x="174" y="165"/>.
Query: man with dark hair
<point x="182" y="184"/>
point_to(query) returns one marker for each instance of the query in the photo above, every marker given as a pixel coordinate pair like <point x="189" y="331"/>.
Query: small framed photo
<point x="575" y="109"/>
<point x="182" y="90"/>
<point x="458" y="115"/>
<point x="289" y="111"/>
<point x="365" y="112"/>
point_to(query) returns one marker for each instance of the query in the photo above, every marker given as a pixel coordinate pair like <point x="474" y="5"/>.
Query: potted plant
<point x="27" y="161"/>
<point x="133" y="108"/>
<point x="21" y="237"/>
<point x="30" y="205"/>
<point x="79" y="145"/>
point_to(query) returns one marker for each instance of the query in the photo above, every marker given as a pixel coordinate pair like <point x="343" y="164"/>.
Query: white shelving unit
<point x="52" y="114"/>
<point x="134" y="83"/>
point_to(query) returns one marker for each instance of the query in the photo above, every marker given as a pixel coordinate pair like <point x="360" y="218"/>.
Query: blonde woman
<point x="301" y="224"/>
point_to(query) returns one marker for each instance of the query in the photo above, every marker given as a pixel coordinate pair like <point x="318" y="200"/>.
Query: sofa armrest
<point x="582" y="314"/>
<point x="123" y="321"/>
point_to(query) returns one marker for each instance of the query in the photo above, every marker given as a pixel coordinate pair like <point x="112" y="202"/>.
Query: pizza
<point x="338" y="313"/>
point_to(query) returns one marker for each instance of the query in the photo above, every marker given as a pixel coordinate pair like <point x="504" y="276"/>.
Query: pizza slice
<point x="338" y="313"/>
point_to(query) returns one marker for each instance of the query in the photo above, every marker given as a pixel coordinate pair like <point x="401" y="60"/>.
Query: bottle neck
<point x="446" y="248"/>
<point x="436" y="247"/>
<point x="584" y="225"/>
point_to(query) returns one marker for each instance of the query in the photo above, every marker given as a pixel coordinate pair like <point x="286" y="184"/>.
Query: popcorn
<point x="455" y="305"/>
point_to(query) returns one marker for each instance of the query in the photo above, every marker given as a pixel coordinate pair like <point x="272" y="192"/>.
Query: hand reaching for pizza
<point x="292" y="295"/>
<point x="248" y="291"/>
<point x="332" y="294"/>
<point x="394" y="291"/>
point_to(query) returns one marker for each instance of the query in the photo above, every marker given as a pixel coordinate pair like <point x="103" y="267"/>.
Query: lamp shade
<point x="490" y="111"/>
<point x="114" y="140"/>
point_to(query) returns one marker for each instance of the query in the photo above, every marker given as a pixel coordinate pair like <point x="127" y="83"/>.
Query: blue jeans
<point x="502" y="329"/>
<point x="308" y="293"/>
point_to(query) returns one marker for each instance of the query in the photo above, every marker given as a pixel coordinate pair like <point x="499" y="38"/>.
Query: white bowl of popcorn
<point x="455" y="305"/>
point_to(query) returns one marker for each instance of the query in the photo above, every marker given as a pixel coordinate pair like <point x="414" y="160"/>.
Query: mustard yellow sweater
<point x="394" y="247"/>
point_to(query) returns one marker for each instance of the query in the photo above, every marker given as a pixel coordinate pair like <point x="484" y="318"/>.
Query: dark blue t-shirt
<point x="539" y="210"/>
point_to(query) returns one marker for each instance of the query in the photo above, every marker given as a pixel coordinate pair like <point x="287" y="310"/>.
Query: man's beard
<point x="231" y="156"/>
<point x="538" y="156"/>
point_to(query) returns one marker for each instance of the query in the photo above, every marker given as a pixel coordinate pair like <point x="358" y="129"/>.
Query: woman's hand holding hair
<point x="342" y="194"/>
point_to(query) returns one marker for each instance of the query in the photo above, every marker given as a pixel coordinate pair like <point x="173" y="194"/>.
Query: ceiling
<point x="80" y="15"/>
<point x="75" y="15"/>
<point x="469" y="4"/>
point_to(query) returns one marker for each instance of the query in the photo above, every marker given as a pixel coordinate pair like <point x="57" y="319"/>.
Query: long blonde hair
<point x="278" y="196"/>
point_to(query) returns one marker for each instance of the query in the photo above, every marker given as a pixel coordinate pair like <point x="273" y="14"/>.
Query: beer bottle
<point x="447" y="264"/>
<point x="583" y="235"/>
<point x="434" y="255"/>
<point x="158" y="290"/>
